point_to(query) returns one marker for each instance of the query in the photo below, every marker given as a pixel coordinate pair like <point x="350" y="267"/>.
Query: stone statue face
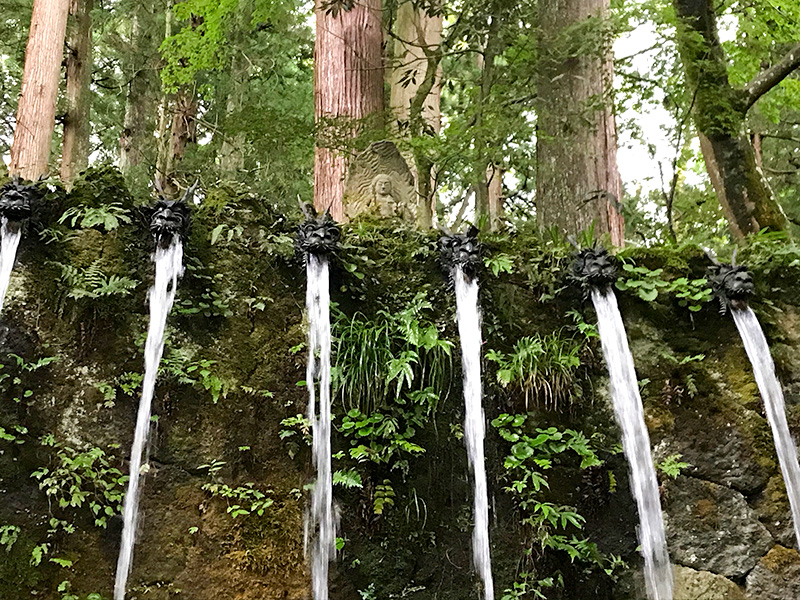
<point x="383" y="185"/>
<point x="16" y="199"/>
<point x="732" y="285"/>
<point x="461" y="250"/>
<point x="318" y="235"/>
<point x="594" y="268"/>
<point x="168" y="219"/>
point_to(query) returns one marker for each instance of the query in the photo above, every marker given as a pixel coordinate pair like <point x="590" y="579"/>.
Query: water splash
<point x="322" y="525"/>
<point x="469" y="330"/>
<point x="758" y="351"/>
<point x="8" y="254"/>
<point x="169" y="266"/>
<point x="636" y="444"/>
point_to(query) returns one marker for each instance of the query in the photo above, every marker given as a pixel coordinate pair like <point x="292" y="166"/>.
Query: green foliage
<point x="672" y="466"/>
<point x="8" y="536"/>
<point x="181" y="366"/>
<point x="385" y="435"/>
<point x="347" y="478"/>
<point x="382" y="358"/>
<point x="76" y="478"/>
<point x="293" y="429"/>
<point x="91" y="282"/>
<point x="642" y="280"/>
<point x="544" y="368"/>
<point x="533" y="451"/>
<point x="691" y="293"/>
<point x="384" y="497"/>
<point x="243" y="500"/>
<point x="105" y="216"/>
<point x="499" y="263"/>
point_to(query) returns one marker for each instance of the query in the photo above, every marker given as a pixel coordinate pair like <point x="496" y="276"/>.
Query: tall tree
<point x="719" y="116"/>
<point x="577" y="180"/>
<point x="36" y="114"/>
<point x="348" y="88"/>
<point x="75" y="152"/>
<point x="139" y="61"/>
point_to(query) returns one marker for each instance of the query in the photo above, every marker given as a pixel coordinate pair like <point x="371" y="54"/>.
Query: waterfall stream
<point x="323" y="526"/>
<point x="169" y="266"/>
<point x="469" y="330"/>
<point x="636" y="444"/>
<point x="758" y="352"/>
<point x="8" y="254"/>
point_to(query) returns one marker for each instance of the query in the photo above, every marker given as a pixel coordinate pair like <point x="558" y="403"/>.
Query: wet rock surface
<point x="716" y="451"/>
<point x="702" y="585"/>
<point x="776" y="576"/>
<point x="712" y="528"/>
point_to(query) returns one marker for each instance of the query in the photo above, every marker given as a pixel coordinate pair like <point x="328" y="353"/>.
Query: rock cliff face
<point x="224" y="497"/>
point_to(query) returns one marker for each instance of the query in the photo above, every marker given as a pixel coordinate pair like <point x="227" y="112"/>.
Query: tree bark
<point x="30" y="151"/>
<point x="136" y="147"/>
<point x="481" y="166"/>
<point x="75" y="152"/>
<point x="348" y="88"/>
<point x="494" y="189"/>
<point x="577" y="180"/>
<point x="182" y="112"/>
<point x="719" y="115"/>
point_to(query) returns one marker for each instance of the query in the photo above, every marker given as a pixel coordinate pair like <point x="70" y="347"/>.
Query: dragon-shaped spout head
<point x="318" y="234"/>
<point x="732" y="284"/>
<point x="461" y="250"/>
<point x="593" y="268"/>
<point x="17" y="199"/>
<point x="170" y="218"/>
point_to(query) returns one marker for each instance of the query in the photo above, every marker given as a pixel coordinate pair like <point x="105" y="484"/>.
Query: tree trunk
<point x="494" y="189"/>
<point x="482" y="163"/>
<point x="30" y="151"/>
<point x="136" y="151"/>
<point x="577" y="180"/>
<point x="348" y="87"/>
<point x="231" y="152"/>
<point x="181" y="111"/>
<point x="75" y="152"/>
<point x="719" y="115"/>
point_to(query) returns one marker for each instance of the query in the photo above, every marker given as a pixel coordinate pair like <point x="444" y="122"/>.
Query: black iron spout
<point x="318" y="234"/>
<point x="732" y="284"/>
<point x="461" y="250"/>
<point x="593" y="268"/>
<point x="170" y="218"/>
<point x="16" y="201"/>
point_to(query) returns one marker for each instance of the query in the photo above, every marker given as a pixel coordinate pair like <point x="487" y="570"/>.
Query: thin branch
<point x="769" y="78"/>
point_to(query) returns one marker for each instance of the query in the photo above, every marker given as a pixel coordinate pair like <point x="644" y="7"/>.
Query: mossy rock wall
<point x="235" y="355"/>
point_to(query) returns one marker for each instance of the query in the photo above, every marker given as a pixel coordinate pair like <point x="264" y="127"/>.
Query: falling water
<point x="319" y="368"/>
<point x="8" y="253"/>
<point x="469" y="330"/>
<point x="758" y="351"/>
<point x="636" y="444"/>
<point x="169" y="266"/>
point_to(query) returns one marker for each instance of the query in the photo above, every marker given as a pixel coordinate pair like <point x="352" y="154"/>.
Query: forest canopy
<point x="650" y="121"/>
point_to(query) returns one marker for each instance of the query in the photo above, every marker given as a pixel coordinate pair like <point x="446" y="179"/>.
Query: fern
<point x="92" y="283"/>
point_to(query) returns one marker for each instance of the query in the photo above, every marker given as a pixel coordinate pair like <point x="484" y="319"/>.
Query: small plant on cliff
<point x="544" y="368"/>
<point x="93" y="283"/>
<point x="533" y="451"/>
<point x="105" y="216"/>
<point x="75" y="478"/>
<point x="672" y="466"/>
<point x="383" y="357"/>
